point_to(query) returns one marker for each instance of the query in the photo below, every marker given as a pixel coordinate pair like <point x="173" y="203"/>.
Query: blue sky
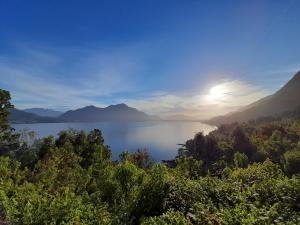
<point x="199" y="58"/>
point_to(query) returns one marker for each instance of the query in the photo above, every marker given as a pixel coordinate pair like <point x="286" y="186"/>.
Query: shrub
<point x="292" y="162"/>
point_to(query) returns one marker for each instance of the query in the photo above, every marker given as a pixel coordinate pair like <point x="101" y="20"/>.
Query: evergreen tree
<point x="7" y="138"/>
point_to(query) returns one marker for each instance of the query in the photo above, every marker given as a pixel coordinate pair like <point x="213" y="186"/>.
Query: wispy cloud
<point x="276" y="77"/>
<point x="236" y="94"/>
<point x="290" y="70"/>
<point x="55" y="79"/>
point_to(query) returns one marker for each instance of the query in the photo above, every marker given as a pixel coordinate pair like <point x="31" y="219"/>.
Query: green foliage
<point x="292" y="162"/>
<point x="140" y="158"/>
<point x="258" y="172"/>
<point x="152" y="197"/>
<point x="5" y="106"/>
<point x="169" y="218"/>
<point x="7" y="136"/>
<point x="189" y="167"/>
<point x="60" y="189"/>
<point x="238" y="145"/>
<point x="240" y="160"/>
<point x="242" y="143"/>
<point x="30" y="204"/>
<point x="203" y="148"/>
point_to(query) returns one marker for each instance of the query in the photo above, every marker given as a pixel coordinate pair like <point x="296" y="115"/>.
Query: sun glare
<point x="217" y="93"/>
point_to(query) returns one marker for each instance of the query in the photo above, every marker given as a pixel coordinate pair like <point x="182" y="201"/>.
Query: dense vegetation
<point x="238" y="174"/>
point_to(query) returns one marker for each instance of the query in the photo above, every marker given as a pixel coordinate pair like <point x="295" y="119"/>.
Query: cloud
<point x="291" y="69"/>
<point x="32" y="91"/>
<point x="278" y="76"/>
<point x="66" y="78"/>
<point x="236" y="94"/>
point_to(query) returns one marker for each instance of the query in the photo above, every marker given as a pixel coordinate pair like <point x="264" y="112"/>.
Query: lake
<point x="160" y="138"/>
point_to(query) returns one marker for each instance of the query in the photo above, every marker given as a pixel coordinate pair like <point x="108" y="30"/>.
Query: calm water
<point x="160" y="138"/>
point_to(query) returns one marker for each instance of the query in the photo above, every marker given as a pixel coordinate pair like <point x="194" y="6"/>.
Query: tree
<point x="7" y="139"/>
<point x="190" y="167"/>
<point x="140" y="158"/>
<point x="276" y="146"/>
<point x="241" y="142"/>
<point x="5" y="106"/>
<point x="240" y="160"/>
<point x="292" y="162"/>
<point x="203" y="148"/>
<point x="171" y="217"/>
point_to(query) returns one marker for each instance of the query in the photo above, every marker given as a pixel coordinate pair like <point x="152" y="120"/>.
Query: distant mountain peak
<point x="90" y="107"/>
<point x="120" y="105"/>
<point x="118" y="112"/>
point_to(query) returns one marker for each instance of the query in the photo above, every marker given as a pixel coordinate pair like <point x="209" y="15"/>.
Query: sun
<point x="217" y="93"/>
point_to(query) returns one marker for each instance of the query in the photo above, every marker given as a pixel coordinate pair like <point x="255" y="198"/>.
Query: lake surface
<point x="160" y="138"/>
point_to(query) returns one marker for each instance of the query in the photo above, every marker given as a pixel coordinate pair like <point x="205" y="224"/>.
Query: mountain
<point x="44" y="112"/>
<point x="20" y="116"/>
<point x="284" y="100"/>
<point x="120" y="112"/>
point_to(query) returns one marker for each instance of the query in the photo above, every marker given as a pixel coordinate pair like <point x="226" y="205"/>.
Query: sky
<point x="193" y="57"/>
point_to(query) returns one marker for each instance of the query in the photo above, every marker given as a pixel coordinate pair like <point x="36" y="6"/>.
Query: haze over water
<point x="160" y="138"/>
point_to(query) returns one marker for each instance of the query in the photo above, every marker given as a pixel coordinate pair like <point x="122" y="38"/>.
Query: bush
<point x="240" y="160"/>
<point x="292" y="162"/>
<point x="171" y="218"/>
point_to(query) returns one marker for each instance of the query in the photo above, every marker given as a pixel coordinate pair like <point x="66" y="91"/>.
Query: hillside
<point x="20" y="116"/>
<point x="44" y="112"/>
<point x="284" y="100"/>
<point x="120" y="112"/>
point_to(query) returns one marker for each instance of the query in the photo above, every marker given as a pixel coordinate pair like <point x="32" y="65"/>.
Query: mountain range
<point x="20" y="116"/>
<point x="287" y="99"/>
<point x="119" y="112"/>
<point x="44" y="112"/>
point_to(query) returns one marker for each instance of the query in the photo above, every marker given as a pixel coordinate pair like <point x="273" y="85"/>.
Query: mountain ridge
<point x="118" y="112"/>
<point x="19" y="116"/>
<point x="43" y="112"/>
